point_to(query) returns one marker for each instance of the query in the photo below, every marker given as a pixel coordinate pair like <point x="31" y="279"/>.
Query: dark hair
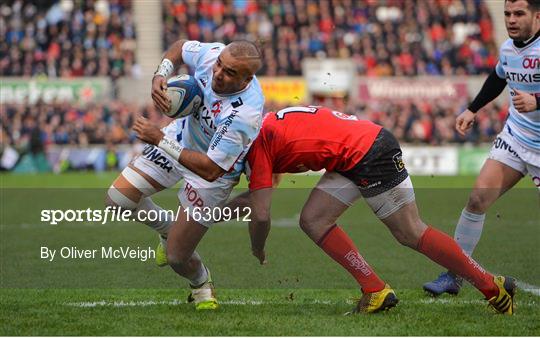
<point x="534" y="5"/>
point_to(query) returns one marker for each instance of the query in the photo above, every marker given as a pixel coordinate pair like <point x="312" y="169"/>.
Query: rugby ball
<point x="185" y="95"/>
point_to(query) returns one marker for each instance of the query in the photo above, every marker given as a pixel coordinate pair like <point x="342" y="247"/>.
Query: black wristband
<point x="537" y="102"/>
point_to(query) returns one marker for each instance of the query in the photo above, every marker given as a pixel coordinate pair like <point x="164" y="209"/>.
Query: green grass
<point x="300" y="292"/>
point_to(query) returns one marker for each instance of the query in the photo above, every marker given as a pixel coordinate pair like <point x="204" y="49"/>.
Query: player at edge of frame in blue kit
<point x="516" y="150"/>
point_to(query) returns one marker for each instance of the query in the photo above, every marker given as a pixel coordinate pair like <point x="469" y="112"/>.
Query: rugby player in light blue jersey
<point x="206" y="149"/>
<point x="516" y="150"/>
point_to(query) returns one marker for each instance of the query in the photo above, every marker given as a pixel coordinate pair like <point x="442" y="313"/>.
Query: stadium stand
<point x="66" y="124"/>
<point x="394" y="37"/>
<point x="67" y="39"/>
<point x="430" y="122"/>
<point x="77" y="39"/>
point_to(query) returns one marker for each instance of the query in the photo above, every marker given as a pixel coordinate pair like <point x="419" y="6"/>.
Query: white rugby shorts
<point x="508" y="151"/>
<point x="383" y="204"/>
<point x="194" y="190"/>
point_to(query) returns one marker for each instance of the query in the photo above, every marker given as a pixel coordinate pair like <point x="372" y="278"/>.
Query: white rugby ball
<point x="185" y="95"/>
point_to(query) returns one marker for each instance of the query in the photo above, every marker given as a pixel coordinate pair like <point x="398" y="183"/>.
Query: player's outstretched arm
<point x="171" y="61"/>
<point x="259" y="226"/>
<point x="195" y="161"/>
<point x="241" y="204"/>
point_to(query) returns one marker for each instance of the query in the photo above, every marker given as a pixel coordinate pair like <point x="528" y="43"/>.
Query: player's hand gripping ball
<point x="185" y="95"/>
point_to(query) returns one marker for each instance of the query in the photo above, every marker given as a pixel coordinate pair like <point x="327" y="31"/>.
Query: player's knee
<point x="409" y="235"/>
<point x="304" y="222"/>
<point x="405" y="239"/>
<point x="477" y="202"/>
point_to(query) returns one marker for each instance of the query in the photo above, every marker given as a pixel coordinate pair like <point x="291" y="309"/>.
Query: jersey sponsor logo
<point x="519" y="77"/>
<point x="208" y="121"/>
<point x="505" y="62"/>
<point x="192" y="196"/>
<point x="344" y="116"/>
<point x="398" y="161"/>
<point x="155" y="156"/>
<point x="499" y="143"/>
<point x="531" y="62"/>
<point x="224" y="129"/>
<point x="237" y="103"/>
<point x="216" y="107"/>
<point x="366" y="184"/>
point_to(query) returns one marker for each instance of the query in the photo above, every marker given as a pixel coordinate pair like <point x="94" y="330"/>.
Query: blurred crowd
<point x="26" y="127"/>
<point x="392" y="37"/>
<point x="426" y="122"/>
<point x="69" y="38"/>
<point x="76" y="38"/>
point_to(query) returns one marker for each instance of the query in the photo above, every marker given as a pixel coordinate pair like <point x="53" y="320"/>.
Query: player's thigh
<point x="144" y="176"/>
<point x="326" y="203"/>
<point x="392" y="200"/>
<point x="504" y="166"/>
<point x="495" y="179"/>
<point x="396" y="208"/>
<point x="130" y="187"/>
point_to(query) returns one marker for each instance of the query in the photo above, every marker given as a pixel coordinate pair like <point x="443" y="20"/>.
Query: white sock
<point x="201" y="277"/>
<point x="469" y="230"/>
<point x="164" y="219"/>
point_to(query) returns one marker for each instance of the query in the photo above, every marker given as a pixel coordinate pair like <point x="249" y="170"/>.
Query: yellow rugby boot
<point x="376" y="301"/>
<point x="504" y="301"/>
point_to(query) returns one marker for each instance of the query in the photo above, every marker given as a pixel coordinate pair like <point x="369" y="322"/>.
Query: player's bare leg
<point x="318" y="221"/>
<point x="410" y="230"/>
<point x="132" y="190"/>
<point x="494" y="180"/>
<point x="184" y="236"/>
<point x="320" y="212"/>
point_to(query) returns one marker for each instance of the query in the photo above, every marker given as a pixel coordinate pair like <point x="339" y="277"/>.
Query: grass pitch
<point x="300" y="292"/>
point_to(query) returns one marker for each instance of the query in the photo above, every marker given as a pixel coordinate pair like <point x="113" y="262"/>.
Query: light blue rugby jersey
<point x="225" y="126"/>
<point x="521" y="69"/>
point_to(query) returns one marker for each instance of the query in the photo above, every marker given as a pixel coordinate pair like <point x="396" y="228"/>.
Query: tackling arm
<point x="259" y="226"/>
<point x="195" y="161"/>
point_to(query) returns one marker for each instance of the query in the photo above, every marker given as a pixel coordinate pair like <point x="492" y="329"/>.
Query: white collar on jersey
<point x="521" y="44"/>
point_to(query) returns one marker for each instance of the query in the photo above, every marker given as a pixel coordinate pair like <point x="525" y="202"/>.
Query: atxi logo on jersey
<point x="531" y="62"/>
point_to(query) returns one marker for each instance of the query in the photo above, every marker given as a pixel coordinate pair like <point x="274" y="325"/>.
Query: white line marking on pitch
<point x="535" y="290"/>
<point x="144" y="303"/>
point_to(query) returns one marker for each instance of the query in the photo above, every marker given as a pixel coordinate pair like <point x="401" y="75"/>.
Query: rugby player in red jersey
<point x="361" y="160"/>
